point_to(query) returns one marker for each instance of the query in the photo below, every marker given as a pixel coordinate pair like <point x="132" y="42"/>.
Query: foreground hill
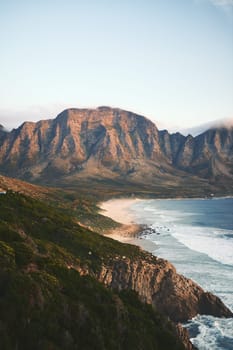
<point x="50" y="297"/>
<point x="114" y="148"/>
<point x="83" y="207"/>
<point x="63" y="286"/>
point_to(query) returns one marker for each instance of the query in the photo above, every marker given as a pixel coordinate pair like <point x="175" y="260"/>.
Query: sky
<point x="170" y="60"/>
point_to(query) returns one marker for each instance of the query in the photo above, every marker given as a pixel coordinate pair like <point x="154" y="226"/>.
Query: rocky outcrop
<point x="157" y="282"/>
<point x="183" y="335"/>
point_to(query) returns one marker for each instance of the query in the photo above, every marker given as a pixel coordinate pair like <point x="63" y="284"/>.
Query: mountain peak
<point x="112" y="143"/>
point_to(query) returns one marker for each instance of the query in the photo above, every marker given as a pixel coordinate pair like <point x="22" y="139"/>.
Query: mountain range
<point x="110" y="144"/>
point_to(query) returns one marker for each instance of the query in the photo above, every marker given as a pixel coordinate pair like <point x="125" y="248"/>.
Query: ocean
<point x="196" y="235"/>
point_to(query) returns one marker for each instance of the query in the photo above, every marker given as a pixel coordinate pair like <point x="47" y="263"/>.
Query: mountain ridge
<point x="200" y="129"/>
<point x="110" y="143"/>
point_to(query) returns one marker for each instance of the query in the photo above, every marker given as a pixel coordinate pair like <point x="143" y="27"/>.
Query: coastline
<point x="129" y="232"/>
<point x="212" y="275"/>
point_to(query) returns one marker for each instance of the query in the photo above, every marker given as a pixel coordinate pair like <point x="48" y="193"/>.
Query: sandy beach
<point x="129" y="231"/>
<point x="118" y="209"/>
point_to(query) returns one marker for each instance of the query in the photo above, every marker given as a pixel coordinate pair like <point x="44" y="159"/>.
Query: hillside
<point x="116" y="149"/>
<point x="54" y="275"/>
<point x="83" y="207"/>
<point x="50" y="301"/>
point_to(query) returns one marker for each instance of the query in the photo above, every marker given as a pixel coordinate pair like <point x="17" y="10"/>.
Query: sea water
<point x="196" y="235"/>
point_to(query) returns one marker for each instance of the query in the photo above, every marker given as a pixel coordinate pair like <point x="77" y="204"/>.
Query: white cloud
<point x="224" y="4"/>
<point x="13" y="117"/>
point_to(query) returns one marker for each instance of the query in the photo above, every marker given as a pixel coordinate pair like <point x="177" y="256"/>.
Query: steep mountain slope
<point x="76" y="140"/>
<point x="50" y="291"/>
<point x="49" y="296"/>
<point x="213" y="153"/>
<point x="84" y="208"/>
<point x="209" y="155"/>
<point x="115" y="145"/>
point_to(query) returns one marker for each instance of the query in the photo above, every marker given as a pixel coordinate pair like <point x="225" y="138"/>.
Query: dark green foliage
<point x="7" y="234"/>
<point x="23" y="254"/>
<point x="46" y="304"/>
<point x="55" y="230"/>
<point x="7" y="256"/>
<point x="86" y="209"/>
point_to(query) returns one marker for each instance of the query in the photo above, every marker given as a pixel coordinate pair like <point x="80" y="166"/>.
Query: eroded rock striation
<point x="157" y="282"/>
<point x="110" y="143"/>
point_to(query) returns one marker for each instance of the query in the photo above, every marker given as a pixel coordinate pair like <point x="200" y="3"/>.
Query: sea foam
<point x="197" y="237"/>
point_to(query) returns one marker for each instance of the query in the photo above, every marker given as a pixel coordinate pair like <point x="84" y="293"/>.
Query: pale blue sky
<point x="171" y="60"/>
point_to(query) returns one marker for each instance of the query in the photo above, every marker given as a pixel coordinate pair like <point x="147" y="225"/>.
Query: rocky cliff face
<point x="209" y="154"/>
<point x="157" y="282"/>
<point x="76" y="140"/>
<point x="111" y="143"/>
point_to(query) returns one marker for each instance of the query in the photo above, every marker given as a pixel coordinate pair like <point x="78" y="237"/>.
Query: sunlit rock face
<point x="208" y="155"/>
<point x="157" y="282"/>
<point x="109" y="143"/>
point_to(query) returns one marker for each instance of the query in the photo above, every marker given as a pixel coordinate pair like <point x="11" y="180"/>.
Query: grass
<point x="46" y="305"/>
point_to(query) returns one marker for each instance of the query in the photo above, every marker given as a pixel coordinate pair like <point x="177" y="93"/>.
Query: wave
<point x="197" y="237"/>
<point x="216" y="243"/>
<point x="217" y="331"/>
<point x="190" y="229"/>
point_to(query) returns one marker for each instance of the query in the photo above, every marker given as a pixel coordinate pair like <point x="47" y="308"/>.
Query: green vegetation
<point x="84" y="207"/>
<point x="46" y="304"/>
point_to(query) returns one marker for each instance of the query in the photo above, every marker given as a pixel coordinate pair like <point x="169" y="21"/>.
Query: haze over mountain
<point x="110" y="143"/>
<point x="199" y="129"/>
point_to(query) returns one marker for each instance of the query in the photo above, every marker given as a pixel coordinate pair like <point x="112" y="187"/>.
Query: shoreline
<point x="129" y="232"/>
<point x="118" y="209"/>
<point x="196" y="269"/>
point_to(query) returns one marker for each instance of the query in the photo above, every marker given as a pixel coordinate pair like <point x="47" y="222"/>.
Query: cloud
<point x="222" y="2"/>
<point x="226" y="4"/>
<point x="13" y="117"/>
